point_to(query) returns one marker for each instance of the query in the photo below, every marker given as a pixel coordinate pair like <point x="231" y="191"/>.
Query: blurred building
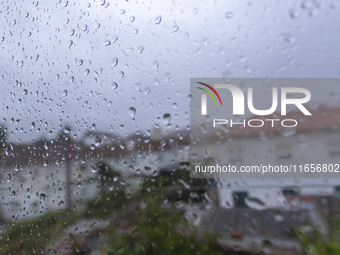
<point x="52" y="174"/>
<point x="315" y="140"/>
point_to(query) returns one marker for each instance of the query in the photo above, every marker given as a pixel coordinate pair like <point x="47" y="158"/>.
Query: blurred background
<point x="95" y="121"/>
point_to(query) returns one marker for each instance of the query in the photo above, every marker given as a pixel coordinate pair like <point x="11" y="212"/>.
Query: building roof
<point x="56" y="151"/>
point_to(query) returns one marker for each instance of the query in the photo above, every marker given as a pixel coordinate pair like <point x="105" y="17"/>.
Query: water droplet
<point x="97" y="141"/>
<point x="94" y="169"/>
<point x="158" y="19"/>
<point x="255" y="203"/>
<point x="146" y="91"/>
<point x="288" y="38"/>
<point x="156" y="64"/>
<point x="166" y="118"/>
<point x="156" y="82"/>
<point x="293" y="14"/>
<point x="114" y="85"/>
<point x="107" y="43"/>
<point x="114" y="39"/>
<point x="279" y="217"/>
<point x="64" y="93"/>
<point x="175" y="28"/>
<point x="140" y="49"/>
<point x="79" y="62"/>
<point x="42" y="196"/>
<point x="25" y="92"/>
<point x="71" y="238"/>
<point x="229" y="15"/>
<point x="114" y="62"/>
<point x="132" y="111"/>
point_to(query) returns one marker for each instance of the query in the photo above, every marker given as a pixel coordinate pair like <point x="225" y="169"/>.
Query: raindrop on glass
<point x="42" y="196"/>
<point x="107" y="43"/>
<point x="229" y="15"/>
<point x="114" y="85"/>
<point x="146" y="91"/>
<point x="166" y="118"/>
<point x="132" y="111"/>
<point x="98" y="141"/>
<point x="156" y="64"/>
<point x="175" y="28"/>
<point x="140" y="49"/>
<point x="114" y="62"/>
<point x="158" y="19"/>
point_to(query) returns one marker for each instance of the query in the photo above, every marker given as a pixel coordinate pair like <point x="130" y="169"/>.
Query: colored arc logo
<point x="209" y="93"/>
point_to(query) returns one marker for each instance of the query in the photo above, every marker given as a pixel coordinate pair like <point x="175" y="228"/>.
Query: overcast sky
<point x="88" y="64"/>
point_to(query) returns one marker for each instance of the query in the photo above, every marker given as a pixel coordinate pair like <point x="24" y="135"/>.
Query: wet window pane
<point x="95" y="127"/>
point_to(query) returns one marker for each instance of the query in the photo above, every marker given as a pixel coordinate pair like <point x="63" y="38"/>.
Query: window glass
<point x="95" y="127"/>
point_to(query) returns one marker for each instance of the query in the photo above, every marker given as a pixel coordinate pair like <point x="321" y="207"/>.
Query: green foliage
<point x="315" y="243"/>
<point x="106" y="203"/>
<point x="161" y="231"/>
<point x="30" y="236"/>
<point x="63" y="137"/>
<point x="151" y="230"/>
<point x="107" y="176"/>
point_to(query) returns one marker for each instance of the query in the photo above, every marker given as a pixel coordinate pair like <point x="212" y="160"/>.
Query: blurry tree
<point x="64" y="142"/>
<point x="314" y="243"/>
<point x="3" y="143"/>
<point x="178" y="186"/>
<point x="162" y="232"/>
<point x="3" y="136"/>
<point x="63" y="137"/>
<point x="107" y="176"/>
